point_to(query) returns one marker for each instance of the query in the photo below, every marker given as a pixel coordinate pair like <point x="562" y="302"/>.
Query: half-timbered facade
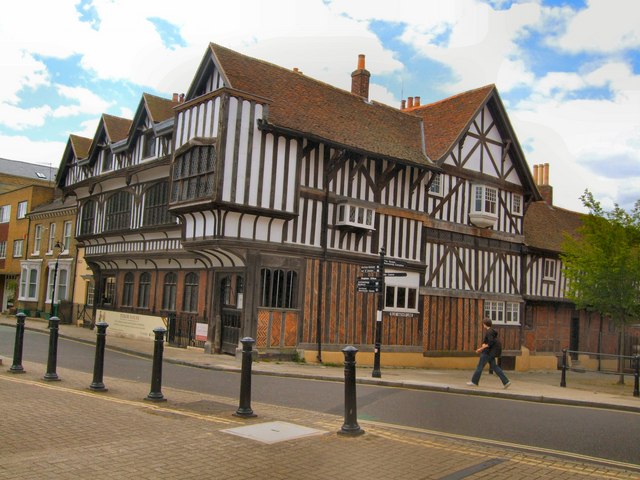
<point x="257" y="200"/>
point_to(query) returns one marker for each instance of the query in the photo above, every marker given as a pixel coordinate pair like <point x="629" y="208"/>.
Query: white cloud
<point x="21" y="148"/>
<point x="20" y="118"/>
<point x="85" y="102"/>
<point x="591" y="29"/>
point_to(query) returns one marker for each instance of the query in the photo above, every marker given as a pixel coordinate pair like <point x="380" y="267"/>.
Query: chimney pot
<point x="175" y="97"/>
<point x="416" y="102"/>
<point x="410" y="102"/>
<point x="536" y="178"/>
<point x="181" y="97"/>
<point x="546" y="174"/>
<point x="403" y="104"/>
<point x="361" y="61"/>
<point x="360" y="79"/>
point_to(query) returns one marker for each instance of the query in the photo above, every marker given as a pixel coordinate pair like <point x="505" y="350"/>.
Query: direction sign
<point x="394" y="263"/>
<point x="395" y="274"/>
<point x="369" y="268"/>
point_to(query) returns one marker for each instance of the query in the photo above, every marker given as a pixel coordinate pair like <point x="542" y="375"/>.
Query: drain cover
<point x="274" y="432"/>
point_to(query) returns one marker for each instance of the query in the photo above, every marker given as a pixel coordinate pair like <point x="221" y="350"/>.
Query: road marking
<point x="133" y="403"/>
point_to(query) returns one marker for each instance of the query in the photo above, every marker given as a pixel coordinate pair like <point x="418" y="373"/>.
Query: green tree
<point x="602" y="264"/>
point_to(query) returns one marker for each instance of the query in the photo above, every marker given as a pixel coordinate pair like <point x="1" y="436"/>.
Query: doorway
<point x="231" y="300"/>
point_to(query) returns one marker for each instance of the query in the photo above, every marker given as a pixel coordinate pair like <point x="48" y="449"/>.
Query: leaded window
<point x="144" y="287"/>
<point x="190" y="300"/>
<point x="127" y="290"/>
<point x="118" y="212"/>
<point x="148" y="144"/>
<point x="279" y="288"/>
<point x="156" y="209"/>
<point x="169" y="291"/>
<point x="88" y="217"/>
<point x="193" y="174"/>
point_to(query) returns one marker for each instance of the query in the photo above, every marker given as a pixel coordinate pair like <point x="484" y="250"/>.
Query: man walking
<point x="489" y="350"/>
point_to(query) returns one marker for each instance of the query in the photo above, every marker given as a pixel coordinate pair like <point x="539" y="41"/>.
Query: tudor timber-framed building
<point x="252" y="203"/>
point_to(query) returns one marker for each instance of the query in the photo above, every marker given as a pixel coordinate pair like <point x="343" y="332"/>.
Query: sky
<point x="568" y="72"/>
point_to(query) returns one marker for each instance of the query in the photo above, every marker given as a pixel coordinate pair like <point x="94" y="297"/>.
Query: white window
<point x="66" y="237"/>
<point x="29" y="275"/>
<point x="22" y="210"/>
<point x="355" y="216"/>
<point x="502" y="313"/>
<point x="107" y="160"/>
<point x="484" y="206"/>
<point x="148" y="144"/>
<point x="516" y="206"/>
<point x="17" y="248"/>
<point x="436" y="185"/>
<point x="5" y="213"/>
<point x="401" y="293"/>
<point x="37" y="239"/>
<point x="549" y="269"/>
<point x="61" y="277"/>
<point x="3" y="249"/>
<point x="52" y="237"/>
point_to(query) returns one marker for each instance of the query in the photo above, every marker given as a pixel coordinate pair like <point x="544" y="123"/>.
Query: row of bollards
<point x="350" y="426"/>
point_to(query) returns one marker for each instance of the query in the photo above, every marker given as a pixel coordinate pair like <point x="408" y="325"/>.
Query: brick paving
<point x="62" y="430"/>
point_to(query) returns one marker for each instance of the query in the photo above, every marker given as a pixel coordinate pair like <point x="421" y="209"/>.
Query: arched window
<point x="144" y="286"/>
<point x="190" y="299"/>
<point x="118" y="212"/>
<point x="156" y="210"/>
<point x="88" y="218"/>
<point x="127" y="290"/>
<point x="279" y="288"/>
<point x="169" y="292"/>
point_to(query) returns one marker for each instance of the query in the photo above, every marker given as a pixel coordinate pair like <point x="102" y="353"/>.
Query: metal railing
<point x="634" y="362"/>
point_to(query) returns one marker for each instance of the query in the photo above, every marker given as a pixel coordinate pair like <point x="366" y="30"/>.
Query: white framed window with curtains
<point x="29" y="280"/>
<point x="17" y="248"/>
<point x="3" y="249"/>
<point x="62" y="279"/>
<point x="401" y="293"/>
<point x="37" y="239"/>
<point x="5" y="213"/>
<point x="66" y="236"/>
<point x="52" y="238"/>
<point x="22" y="210"/>
<point x="502" y="313"/>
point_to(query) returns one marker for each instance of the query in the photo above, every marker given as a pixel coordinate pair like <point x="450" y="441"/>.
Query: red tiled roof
<point x="446" y="120"/>
<point x="80" y="145"/>
<point x="545" y="225"/>
<point x="117" y="128"/>
<point x="309" y="106"/>
<point x="159" y="108"/>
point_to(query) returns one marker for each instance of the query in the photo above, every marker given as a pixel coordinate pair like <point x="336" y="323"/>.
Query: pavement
<point x="78" y="433"/>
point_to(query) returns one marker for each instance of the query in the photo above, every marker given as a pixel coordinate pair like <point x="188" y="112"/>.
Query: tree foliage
<point x="602" y="263"/>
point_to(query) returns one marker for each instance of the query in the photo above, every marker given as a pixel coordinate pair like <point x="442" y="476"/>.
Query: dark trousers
<point x="484" y="359"/>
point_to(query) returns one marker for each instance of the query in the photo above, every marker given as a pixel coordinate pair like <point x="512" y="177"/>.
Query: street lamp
<point x="58" y="245"/>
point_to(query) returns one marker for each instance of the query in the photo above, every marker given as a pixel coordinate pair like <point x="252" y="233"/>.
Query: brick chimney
<point x="541" y="179"/>
<point x="360" y="79"/>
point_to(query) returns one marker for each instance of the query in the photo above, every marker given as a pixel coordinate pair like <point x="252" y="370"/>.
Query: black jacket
<point x="494" y="347"/>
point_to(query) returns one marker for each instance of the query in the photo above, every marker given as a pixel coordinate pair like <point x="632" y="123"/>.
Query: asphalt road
<point x="606" y="434"/>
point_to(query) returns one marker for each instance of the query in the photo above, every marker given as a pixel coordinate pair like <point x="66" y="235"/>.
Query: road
<point x="606" y="434"/>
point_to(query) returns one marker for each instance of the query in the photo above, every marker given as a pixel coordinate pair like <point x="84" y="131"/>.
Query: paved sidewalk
<point x="589" y="389"/>
<point x="62" y="430"/>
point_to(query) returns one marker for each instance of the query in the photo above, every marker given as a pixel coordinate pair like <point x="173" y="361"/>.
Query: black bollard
<point x="156" y="375"/>
<point x="350" y="426"/>
<point x="98" y="365"/>
<point x="636" y="378"/>
<point x="16" y="367"/>
<point x="244" y="410"/>
<point x="563" y="377"/>
<point x="52" y="360"/>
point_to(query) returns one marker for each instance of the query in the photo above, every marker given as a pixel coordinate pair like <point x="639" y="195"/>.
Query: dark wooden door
<point x="231" y="291"/>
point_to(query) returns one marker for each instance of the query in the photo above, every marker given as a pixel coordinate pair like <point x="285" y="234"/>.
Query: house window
<point x="127" y="290"/>
<point x="66" y="237"/>
<point x="355" y="216"/>
<point x="37" y="239"/>
<point x="17" y="248"/>
<point x="52" y="237"/>
<point x="109" y="290"/>
<point x="436" y="184"/>
<point x="5" y="213"/>
<point x="3" y="249"/>
<point x="517" y="204"/>
<point x="484" y="206"/>
<point x="118" y="212"/>
<point x="29" y="282"/>
<point x="156" y="207"/>
<point x="401" y="293"/>
<point x="61" y="289"/>
<point x="169" y="292"/>
<point x="88" y="218"/>
<point x="22" y="210"/>
<point x="193" y="174"/>
<point x="279" y="288"/>
<point x="107" y="160"/>
<point x="61" y="279"/>
<point x="549" y="269"/>
<point x="502" y="313"/>
<point x="90" y="293"/>
<point x="190" y="299"/>
<point x="148" y="144"/>
<point x="144" y="287"/>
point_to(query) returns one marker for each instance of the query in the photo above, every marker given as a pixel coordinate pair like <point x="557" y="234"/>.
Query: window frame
<point x="108" y="160"/>
<point x="66" y="236"/>
<point x="401" y="288"/>
<point x="278" y="288"/>
<point x="355" y="215"/>
<point x="3" y="249"/>
<point x="156" y="205"/>
<point x="502" y="312"/>
<point x="193" y="178"/>
<point x="516" y="204"/>
<point x="52" y="238"/>
<point x="169" y="291"/>
<point x="37" y="238"/>
<point x="29" y="285"/>
<point x="22" y="210"/>
<point x="148" y="144"/>
<point x="18" y="247"/>
<point x="5" y="213"/>
<point x="549" y="269"/>
<point x="88" y="217"/>
<point x="127" y="290"/>
<point x="190" y="291"/>
<point x="144" y="289"/>
<point x="435" y="187"/>
<point x="117" y="211"/>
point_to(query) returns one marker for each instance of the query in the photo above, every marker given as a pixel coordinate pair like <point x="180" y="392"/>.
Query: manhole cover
<point x="274" y="432"/>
